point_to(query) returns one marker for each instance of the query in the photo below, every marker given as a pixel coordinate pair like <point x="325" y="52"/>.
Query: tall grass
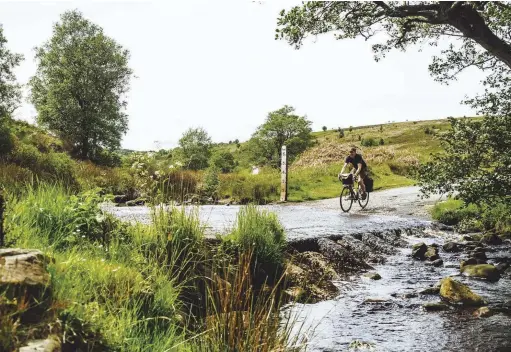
<point x="145" y="287"/>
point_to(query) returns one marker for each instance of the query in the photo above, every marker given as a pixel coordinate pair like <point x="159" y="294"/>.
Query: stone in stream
<point x="435" y="306"/>
<point x="436" y="263"/>
<point x="51" y="344"/>
<point x="359" y="249"/>
<point x="430" y="291"/>
<point x="373" y="276"/>
<point x="393" y="237"/>
<point x="341" y="258"/>
<point x="457" y="293"/>
<point x="376" y="244"/>
<point x="502" y="267"/>
<point x="484" y="312"/>
<point x="492" y="239"/>
<point x="481" y="271"/>
<point x="478" y="255"/>
<point x="419" y="250"/>
<point x="432" y="253"/>
<point x="453" y="247"/>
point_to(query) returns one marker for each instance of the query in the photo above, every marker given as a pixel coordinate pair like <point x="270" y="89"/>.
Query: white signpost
<point x="283" y="175"/>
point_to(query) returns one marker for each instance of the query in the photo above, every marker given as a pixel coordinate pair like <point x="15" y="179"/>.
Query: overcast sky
<point x="216" y="64"/>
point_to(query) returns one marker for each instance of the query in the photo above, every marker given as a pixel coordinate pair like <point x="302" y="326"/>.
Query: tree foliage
<point x="223" y="161"/>
<point x="195" y="148"/>
<point x="281" y="127"/>
<point x="475" y="34"/>
<point x="80" y="85"/>
<point x="476" y="163"/>
<point x="10" y="93"/>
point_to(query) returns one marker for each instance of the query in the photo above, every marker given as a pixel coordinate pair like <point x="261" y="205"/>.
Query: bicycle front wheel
<point x="363" y="203"/>
<point x="346" y="199"/>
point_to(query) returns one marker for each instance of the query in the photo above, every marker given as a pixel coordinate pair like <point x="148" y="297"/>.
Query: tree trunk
<point x="469" y="22"/>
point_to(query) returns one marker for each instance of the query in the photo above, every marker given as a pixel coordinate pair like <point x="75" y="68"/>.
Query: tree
<point x="381" y="128"/>
<point x="80" y="85"/>
<point x="382" y="142"/>
<point x="10" y="93"/>
<point x="324" y="128"/>
<point x="223" y="161"/>
<point x="281" y="127"/>
<point x="477" y="34"/>
<point x="351" y="128"/>
<point x="341" y="133"/>
<point x="196" y="148"/>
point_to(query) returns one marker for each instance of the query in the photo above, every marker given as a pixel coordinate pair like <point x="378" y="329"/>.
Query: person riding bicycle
<point x="360" y="167"/>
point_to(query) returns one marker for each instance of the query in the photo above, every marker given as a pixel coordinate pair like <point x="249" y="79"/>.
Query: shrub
<point x="368" y="142"/>
<point x="250" y="188"/>
<point x="259" y="231"/>
<point x="324" y="128"/>
<point x="224" y="161"/>
<point x="452" y="211"/>
<point x="382" y="142"/>
<point x="6" y="140"/>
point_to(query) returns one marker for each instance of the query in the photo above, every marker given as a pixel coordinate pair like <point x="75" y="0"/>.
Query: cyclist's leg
<point x="361" y="184"/>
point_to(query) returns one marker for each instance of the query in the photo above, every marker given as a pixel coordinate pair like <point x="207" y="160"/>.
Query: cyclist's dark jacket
<point x="356" y="160"/>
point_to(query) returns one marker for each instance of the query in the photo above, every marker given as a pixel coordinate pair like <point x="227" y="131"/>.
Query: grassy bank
<point x="473" y="218"/>
<point x="157" y="177"/>
<point x="158" y="287"/>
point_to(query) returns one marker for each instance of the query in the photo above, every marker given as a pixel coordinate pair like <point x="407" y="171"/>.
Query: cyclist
<point x="360" y="167"/>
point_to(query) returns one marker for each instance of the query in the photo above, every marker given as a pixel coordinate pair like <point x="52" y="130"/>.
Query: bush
<point x="6" y="140"/>
<point x="259" y="231"/>
<point x="452" y="212"/>
<point x="498" y="217"/>
<point x="368" y="142"/>
<point x="210" y="183"/>
<point x="382" y="142"/>
<point x="248" y="188"/>
<point x="224" y="161"/>
<point x="324" y="128"/>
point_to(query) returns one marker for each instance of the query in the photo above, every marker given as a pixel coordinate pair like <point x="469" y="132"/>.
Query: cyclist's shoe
<point x="364" y="196"/>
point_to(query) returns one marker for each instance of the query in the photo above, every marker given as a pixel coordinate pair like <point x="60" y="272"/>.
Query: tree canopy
<point x="475" y="34"/>
<point x="281" y="127"/>
<point x="195" y="148"/>
<point x="10" y="93"/>
<point x="80" y="85"/>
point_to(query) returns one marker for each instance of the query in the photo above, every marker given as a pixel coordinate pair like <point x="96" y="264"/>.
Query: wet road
<point x="396" y="208"/>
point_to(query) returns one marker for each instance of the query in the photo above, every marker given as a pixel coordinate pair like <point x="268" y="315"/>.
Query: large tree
<point x="80" y="86"/>
<point x="475" y="34"/>
<point x="195" y="148"/>
<point x="281" y="127"/>
<point x="10" y="93"/>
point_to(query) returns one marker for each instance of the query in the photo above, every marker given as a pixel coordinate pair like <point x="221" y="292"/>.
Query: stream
<point x="383" y="315"/>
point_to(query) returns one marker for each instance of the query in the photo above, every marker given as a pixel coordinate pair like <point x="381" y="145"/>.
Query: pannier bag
<point x="369" y="184"/>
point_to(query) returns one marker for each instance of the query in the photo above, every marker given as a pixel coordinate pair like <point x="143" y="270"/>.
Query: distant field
<point x="314" y="174"/>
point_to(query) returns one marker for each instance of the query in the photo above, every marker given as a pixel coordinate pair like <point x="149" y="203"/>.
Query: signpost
<point x="283" y="175"/>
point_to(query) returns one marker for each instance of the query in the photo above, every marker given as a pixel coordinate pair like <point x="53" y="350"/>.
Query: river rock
<point x="51" y="344"/>
<point x="310" y="272"/>
<point x="393" y="237"/>
<point x="419" y="250"/>
<point x="473" y="237"/>
<point x="457" y="293"/>
<point x="373" y="276"/>
<point x="120" y="198"/>
<point x="502" y="267"/>
<point x="24" y="271"/>
<point x="341" y="258"/>
<point x="432" y="253"/>
<point x="436" y="263"/>
<point x="491" y="239"/>
<point x="435" y="306"/>
<point x="483" y="312"/>
<point x="431" y="291"/>
<point x="478" y="255"/>
<point x="482" y="271"/>
<point x="452" y="247"/>
<point x="360" y="249"/>
<point x="376" y="244"/>
<point x="136" y="202"/>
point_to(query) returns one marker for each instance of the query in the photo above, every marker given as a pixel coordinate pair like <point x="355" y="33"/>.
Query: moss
<point x="457" y="293"/>
<point x="483" y="271"/>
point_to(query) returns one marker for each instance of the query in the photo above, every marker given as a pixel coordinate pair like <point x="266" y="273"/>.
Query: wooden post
<point x="283" y="175"/>
<point x="2" y="208"/>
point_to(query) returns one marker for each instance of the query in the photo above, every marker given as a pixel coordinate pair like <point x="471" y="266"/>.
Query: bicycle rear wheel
<point x="363" y="203"/>
<point x="346" y="199"/>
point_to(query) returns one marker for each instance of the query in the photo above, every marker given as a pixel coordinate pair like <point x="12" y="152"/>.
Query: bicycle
<point x="348" y="194"/>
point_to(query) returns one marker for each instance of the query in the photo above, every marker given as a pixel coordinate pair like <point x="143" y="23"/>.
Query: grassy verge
<point x="157" y="287"/>
<point x="469" y="217"/>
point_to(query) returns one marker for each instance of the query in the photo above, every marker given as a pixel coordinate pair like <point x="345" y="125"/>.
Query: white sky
<point x="216" y="64"/>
